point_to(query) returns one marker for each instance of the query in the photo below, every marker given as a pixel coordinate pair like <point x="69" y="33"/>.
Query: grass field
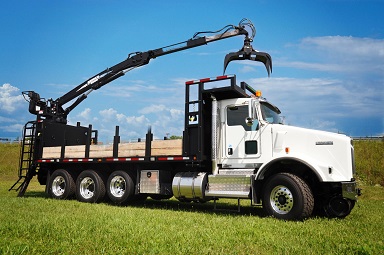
<point x="35" y="224"/>
<point x="370" y="162"/>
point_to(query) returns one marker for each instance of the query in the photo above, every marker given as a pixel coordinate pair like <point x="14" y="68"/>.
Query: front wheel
<point x="286" y="196"/>
<point x="90" y="187"/>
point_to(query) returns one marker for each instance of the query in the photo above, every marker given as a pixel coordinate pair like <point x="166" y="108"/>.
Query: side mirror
<point x="249" y="121"/>
<point x="254" y="124"/>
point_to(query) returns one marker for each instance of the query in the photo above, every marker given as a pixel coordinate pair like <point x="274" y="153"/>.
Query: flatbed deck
<point x="134" y="149"/>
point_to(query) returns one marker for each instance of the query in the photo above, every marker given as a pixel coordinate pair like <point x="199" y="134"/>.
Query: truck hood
<point x="329" y="153"/>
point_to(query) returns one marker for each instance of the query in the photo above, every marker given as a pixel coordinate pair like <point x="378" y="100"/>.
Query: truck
<point x="234" y="145"/>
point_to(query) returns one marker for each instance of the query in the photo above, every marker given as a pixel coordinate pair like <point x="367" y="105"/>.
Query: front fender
<point x="318" y="170"/>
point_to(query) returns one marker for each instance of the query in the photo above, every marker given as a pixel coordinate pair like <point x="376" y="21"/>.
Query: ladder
<point x="27" y="167"/>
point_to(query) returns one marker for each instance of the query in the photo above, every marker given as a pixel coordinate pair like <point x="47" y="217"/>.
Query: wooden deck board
<point x="159" y="147"/>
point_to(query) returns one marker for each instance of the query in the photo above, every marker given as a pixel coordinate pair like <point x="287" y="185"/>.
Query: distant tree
<point x="175" y="137"/>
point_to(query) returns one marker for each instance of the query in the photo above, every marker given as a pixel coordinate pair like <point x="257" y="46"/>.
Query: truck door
<point x="242" y="141"/>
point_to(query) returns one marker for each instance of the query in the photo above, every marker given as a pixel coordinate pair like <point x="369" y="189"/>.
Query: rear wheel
<point x="90" y="187"/>
<point x="287" y="196"/>
<point x="120" y="187"/>
<point x="61" y="185"/>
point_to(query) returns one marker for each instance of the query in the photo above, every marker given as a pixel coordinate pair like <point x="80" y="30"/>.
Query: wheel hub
<point x="117" y="186"/>
<point x="58" y="186"/>
<point x="87" y="188"/>
<point x="281" y="199"/>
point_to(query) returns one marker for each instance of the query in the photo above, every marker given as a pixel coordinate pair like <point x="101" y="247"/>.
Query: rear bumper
<point x="350" y="190"/>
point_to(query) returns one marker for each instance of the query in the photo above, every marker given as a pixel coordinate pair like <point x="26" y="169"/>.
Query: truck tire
<point x="120" y="187"/>
<point x="286" y="196"/>
<point x="90" y="187"/>
<point x="61" y="184"/>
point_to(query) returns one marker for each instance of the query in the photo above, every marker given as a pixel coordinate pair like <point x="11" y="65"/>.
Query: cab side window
<point x="236" y="116"/>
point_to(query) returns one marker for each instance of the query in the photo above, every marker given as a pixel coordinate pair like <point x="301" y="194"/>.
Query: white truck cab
<point x="282" y="162"/>
<point x="254" y="134"/>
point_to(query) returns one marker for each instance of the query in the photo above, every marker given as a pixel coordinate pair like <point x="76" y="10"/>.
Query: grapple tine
<point x="262" y="57"/>
<point x="232" y="56"/>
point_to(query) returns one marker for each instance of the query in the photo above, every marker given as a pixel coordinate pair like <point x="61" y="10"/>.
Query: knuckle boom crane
<point x="53" y="109"/>
<point x="234" y="145"/>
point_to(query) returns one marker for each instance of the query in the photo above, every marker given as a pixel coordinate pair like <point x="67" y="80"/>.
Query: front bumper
<point x="350" y="190"/>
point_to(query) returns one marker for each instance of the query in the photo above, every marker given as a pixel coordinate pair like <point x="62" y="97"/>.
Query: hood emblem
<point x="324" y="143"/>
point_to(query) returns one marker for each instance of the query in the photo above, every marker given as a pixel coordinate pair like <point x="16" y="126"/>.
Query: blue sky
<point x="328" y="60"/>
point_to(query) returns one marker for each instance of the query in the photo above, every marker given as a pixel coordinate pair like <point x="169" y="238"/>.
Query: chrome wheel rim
<point x="117" y="186"/>
<point x="281" y="199"/>
<point x="87" y="187"/>
<point x="58" y="186"/>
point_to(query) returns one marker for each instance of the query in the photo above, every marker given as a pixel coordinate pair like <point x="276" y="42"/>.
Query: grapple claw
<point x="248" y="53"/>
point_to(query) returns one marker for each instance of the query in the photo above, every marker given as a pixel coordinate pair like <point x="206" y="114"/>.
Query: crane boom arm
<point x="142" y="58"/>
<point x="53" y="109"/>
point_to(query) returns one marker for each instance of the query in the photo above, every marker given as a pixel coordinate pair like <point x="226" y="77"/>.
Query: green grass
<point x="369" y="156"/>
<point x="9" y="160"/>
<point x="38" y="225"/>
<point x="35" y="224"/>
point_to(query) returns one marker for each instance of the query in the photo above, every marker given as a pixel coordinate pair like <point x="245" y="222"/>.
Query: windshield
<point x="270" y="113"/>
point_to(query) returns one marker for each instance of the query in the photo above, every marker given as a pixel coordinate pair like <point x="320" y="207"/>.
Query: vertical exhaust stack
<point x="215" y="135"/>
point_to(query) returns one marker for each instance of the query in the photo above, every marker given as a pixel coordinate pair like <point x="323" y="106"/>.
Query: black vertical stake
<point x="63" y="143"/>
<point x="200" y="123"/>
<point x="116" y="141"/>
<point x="88" y="141"/>
<point x="148" y="142"/>
<point x="242" y="85"/>
<point x="187" y="128"/>
<point x="37" y="143"/>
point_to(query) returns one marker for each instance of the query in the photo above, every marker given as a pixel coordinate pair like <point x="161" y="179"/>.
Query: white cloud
<point x="153" y="109"/>
<point x="108" y="114"/>
<point x="323" y="67"/>
<point x="137" y="120"/>
<point x="247" y="69"/>
<point x="85" y="114"/>
<point x="180" y="82"/>
<point x="331" y="54"/>
<point x="176" y="113"/>
<point x="322" y="124"/>
<point x="347" y="81"/>
<point x="120" y="117"/>
<point x="340" y="54"/>
<point x="309" y="102"/>
<point x="160" y="117"/>
<point x="4" y="119"/>
<point x="127" y="89"/>
<point x="347" y="46"/>
<point x="165" y="116"/>
<point x="10" y="99"/>
<point x="15" y="128"/>
<point x="13" y="111"/>
<point x="112" y="116"/>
